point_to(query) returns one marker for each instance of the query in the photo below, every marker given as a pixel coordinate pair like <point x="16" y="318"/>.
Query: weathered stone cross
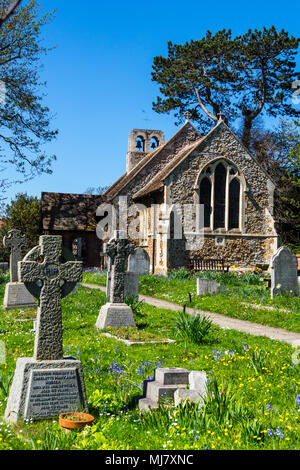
<point x="118" y="250"/>
<point x="50" y="280"/>
<point x="188" y="115"/>
<point x="14" y="241"/>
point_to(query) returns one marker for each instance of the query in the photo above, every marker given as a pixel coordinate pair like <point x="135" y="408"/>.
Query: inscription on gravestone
<point x="51" y="392"/>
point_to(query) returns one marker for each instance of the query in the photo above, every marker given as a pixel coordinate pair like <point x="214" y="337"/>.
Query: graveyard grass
<point x="235" y="289"/>
<point x="254" y="400"/>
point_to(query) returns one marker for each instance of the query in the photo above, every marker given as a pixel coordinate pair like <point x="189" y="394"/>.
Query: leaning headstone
<point x="16" y="295"/>
<point x="206" y="286"/>
<point x="284" y="276"/>
<point x="116" y="313"/>
<point x="139" y="262"/>
<point x="48" y="383"/>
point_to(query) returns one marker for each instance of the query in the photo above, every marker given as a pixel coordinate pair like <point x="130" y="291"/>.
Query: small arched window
<point x="140" y="144"/>
<point x="154" y="143"/>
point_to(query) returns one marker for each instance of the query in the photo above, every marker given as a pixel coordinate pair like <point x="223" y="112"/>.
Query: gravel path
<point x="222" y="321"/>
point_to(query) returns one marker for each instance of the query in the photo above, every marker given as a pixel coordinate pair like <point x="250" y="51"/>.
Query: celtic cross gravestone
<point x="15" y="242"/>
<point x="16" y="295"/>
<point x="116" y="313"/>
<point x="47" y="384"/>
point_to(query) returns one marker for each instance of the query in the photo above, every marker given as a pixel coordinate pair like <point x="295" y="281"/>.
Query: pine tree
<point x="245" y="77"/>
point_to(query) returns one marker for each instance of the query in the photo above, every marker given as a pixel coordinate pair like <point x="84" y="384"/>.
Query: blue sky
<point x="99" y="77"/>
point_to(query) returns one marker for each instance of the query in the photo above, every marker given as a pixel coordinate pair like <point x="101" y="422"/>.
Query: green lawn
<point x="234" y="291"/>
<point x="256" y="404"/>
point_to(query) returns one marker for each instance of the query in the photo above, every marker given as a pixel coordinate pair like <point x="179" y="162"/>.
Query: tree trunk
<point x="246" y="138"/>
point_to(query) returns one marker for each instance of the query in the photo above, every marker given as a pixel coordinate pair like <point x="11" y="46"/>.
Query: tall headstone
<point x="47" y="384"/>
<point x="116" y="313"/>
<point x="16" y="295"/>
<point x="139" y="262"/>
<point x="284" y="277"/>
<point x="131" y="283"/>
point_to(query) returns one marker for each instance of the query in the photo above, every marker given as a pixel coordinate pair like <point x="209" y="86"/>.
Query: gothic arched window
<point x="220" y="190"/>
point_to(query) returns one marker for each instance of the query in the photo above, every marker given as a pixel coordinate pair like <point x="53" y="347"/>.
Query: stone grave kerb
<point x="49" y="279"/>
<point x="14" y="241"/>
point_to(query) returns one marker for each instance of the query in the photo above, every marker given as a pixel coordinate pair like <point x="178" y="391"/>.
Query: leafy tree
<point x="291" y="198"/>
<point x="24" y="121"/>
<point x="242" y="77"/>
<point x="278" y="151"/>
<point x="24" y="214"/>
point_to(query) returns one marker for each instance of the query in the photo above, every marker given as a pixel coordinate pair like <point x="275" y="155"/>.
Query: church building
<point x="215" y="172"/>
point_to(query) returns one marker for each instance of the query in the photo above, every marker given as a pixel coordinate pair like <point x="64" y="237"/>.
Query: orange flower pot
<point x="75" y="420"/>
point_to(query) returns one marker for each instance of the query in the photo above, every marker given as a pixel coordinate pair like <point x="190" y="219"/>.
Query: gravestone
<point x="116" y="313"/>
<point x="16" y="295"/>
<point x="48" y="383"/>
<point x="4" y="267"/>
<point x="207" y="286"/>
<point x="139" y="262"/>
<point x="131" y="284"/>
<point x="284" y="276"/>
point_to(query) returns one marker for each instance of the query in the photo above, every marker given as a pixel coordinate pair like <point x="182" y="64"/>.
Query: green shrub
<point x="180" y="274"/>
<point x="192" y="329"/>
<point x="232" y="278"/>
<point x="135" y="304"/>
<point x="4" y="278"/>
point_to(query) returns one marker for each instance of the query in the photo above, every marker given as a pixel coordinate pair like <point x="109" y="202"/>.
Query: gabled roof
<point x="158" y="182"/>
<point x="122" y="182"/>
<point x="61" y="211"/>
